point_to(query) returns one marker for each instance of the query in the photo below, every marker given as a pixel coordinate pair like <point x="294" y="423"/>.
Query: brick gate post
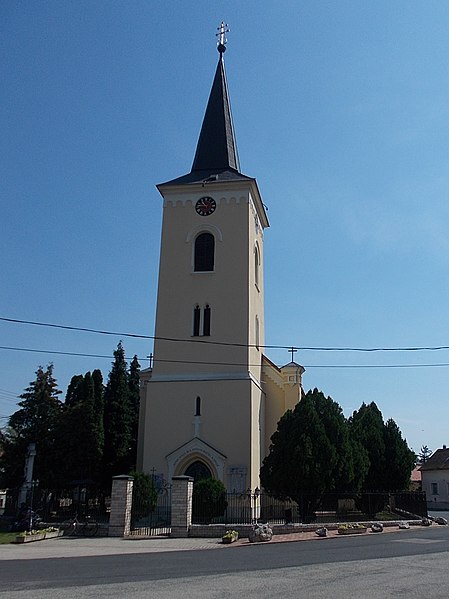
<point x="121" y="503"/>
<point x="181" y="505"/>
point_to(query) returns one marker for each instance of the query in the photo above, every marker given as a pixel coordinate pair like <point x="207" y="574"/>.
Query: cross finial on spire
<point x="222" y="31"/>
<point x="292" y="350"/>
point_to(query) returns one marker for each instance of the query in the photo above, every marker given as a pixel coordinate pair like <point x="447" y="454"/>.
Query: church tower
<point x="202" y="401"/>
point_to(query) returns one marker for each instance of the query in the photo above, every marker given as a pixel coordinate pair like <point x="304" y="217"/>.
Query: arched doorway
<point x="198" y="471"/>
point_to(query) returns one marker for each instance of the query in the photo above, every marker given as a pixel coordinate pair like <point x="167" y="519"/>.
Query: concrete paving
<point x="79" y="547"/>
<point x="91" y="546"/>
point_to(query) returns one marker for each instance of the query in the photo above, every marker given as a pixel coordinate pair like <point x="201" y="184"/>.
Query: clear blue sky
<point x="341" y="111"/>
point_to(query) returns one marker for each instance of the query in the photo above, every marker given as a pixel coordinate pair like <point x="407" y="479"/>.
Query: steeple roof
<point x="216" y="147"/>
<point x="216" y="157"/>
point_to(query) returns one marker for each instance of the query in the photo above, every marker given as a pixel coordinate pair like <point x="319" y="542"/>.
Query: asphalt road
<point x="412" y="564"/>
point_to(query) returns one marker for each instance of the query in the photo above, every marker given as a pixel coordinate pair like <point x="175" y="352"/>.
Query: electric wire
<point x="220" y="363"/>
<point x="288" y="347"/>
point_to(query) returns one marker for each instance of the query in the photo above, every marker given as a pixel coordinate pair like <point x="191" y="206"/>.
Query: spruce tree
<point x="424" y="454"/>
<point x="35" y="422"/>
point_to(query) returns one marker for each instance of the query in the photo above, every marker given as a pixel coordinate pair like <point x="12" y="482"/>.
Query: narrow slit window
<point x="198" y="406"/>
<point x="204" y="253"/>
<point x="257" y="332"/>
<point x="206" y="321"/>
<point x="256" y="266"/>
<point x="196" y="321"/>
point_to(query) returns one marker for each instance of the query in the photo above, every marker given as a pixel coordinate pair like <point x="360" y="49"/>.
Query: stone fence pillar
<point x="121" y="502"/>
<point x="181" y="505"/>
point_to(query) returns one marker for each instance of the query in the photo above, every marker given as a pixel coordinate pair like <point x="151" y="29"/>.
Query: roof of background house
<point x="415" y="476"/>
<point x="438" y="461"/>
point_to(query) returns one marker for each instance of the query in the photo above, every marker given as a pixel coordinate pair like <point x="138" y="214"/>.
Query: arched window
<point x="196" y="321"/>
<point x="204" y="252"/>
<point x="206" y="321"/>
<point x="201" y="320"/>
<point x="198" y="470"/>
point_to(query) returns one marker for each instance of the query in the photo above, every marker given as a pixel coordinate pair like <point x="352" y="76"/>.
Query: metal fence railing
<point x="58" y="505"/>
<point x="250" y="507"/>
<point x="152" y="515"/>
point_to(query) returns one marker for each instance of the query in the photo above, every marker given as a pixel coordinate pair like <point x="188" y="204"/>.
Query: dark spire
<point x="216" y="148"/>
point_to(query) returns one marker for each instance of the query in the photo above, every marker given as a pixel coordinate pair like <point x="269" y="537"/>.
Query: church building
<point x="211" y="399"/>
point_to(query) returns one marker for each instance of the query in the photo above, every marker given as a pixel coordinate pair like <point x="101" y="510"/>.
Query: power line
<point x="6" y="392"/>
<point x="288" y="347"/>
<point x="221" y="363"/>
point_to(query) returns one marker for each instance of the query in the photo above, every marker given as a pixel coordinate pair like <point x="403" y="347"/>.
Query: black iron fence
<point x="250" y="507"/>
<point x="151" y="515"/>
<point x="59" y="505"/>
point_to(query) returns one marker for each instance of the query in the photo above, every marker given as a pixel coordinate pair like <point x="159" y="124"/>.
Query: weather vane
<point x="222" y="31"/>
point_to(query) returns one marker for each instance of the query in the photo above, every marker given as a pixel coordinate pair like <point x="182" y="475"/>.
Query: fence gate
<point x="151" y="516"/>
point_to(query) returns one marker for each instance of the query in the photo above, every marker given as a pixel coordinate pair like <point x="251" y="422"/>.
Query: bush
<point x="209" y="500"/>
<point x="144" y="494"/>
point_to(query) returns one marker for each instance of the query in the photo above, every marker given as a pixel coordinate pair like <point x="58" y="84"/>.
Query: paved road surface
<point x="412" y="564"/>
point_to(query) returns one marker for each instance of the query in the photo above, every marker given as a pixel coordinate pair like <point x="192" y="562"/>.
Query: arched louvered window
<point x="204" y="252"/>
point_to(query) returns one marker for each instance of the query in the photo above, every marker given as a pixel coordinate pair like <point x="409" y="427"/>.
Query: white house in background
<point x="435" y="479"/>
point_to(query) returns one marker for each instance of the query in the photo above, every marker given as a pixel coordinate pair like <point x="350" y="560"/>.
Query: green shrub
<point x="144" y="494"/>
<point x="209" y="499"/>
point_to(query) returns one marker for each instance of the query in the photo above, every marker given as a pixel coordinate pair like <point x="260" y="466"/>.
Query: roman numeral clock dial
<point x="205" y="206"/>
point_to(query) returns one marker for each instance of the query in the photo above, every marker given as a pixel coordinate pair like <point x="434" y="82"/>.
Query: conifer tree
<point x="98" y="416"/>
<point x="117" y="418"/>
<point x="390" y="459"/>
<point x="80" y="443"/>
<point x="302" y="461"/>
<point x="399" y="458"/>
<point x="35" y="422"/>
<point x="367" y="427"/>
<point x="312" y="453"/>
<point x="424" y="454"/>
<point x="134" y="399"/>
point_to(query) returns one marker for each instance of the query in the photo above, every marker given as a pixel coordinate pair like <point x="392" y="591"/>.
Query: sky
<point x="341" y="113"/>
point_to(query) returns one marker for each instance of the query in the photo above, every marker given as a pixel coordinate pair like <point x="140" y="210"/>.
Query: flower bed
<point x="351" y="529"/>
<point x="39" y="535"/>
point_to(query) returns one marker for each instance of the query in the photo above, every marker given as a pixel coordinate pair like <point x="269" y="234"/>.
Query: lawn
<point x="7" y="537"/>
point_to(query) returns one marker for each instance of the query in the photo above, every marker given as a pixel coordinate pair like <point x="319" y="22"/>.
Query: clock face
<point x="205" y="206"/>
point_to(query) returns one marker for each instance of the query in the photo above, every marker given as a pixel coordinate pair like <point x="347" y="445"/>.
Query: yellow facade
<point x="211" y="396"/>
